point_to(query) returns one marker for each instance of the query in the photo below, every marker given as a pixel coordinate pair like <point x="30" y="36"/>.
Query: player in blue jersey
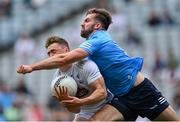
<point x="133" y="93"/>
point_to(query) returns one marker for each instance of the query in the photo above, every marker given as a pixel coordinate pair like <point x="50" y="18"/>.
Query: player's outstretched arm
<point x="55" y="61"/>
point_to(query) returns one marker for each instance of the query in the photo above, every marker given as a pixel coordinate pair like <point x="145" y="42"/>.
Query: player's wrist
<point x="32" y="67"/>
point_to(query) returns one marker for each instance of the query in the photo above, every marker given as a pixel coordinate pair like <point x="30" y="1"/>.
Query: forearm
<point x="60" y="60"/>
<point x="96" y="96"/>
<point x="99" y="93"/>
<point x="49" y="63"/>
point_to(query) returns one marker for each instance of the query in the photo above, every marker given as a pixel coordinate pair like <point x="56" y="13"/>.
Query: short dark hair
<point x="102" y="15"/>
<point x="56" y="39"/>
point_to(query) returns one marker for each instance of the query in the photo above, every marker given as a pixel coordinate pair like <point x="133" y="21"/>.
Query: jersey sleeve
<point x="91" y="45"/>
<point x="91" y="71"/>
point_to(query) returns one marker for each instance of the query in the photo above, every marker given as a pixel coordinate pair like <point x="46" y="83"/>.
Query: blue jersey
<point x="118" y="69"/>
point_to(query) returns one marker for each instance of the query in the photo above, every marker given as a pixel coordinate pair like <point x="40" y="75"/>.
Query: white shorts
<point x="86" y="115"/>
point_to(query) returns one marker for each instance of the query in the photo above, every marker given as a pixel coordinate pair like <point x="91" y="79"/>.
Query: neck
<point x="91" y="33"/>
<point x="65" y="67"/>
<point x="94" y="32"/>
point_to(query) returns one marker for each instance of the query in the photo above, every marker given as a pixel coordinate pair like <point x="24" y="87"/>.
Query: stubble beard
<point x="86" y="33"/>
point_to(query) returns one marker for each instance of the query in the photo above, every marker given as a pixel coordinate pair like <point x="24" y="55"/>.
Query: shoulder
<point x="85" y="62"/>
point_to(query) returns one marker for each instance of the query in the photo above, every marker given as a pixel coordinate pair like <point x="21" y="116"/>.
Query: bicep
<point x="75" y="55"/>
<point x="98" y="84"/>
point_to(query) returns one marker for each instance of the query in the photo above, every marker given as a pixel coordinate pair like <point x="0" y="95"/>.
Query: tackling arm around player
<point x="134" y="94"/>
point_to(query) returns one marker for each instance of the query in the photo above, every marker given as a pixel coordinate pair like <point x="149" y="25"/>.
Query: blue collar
<point x="94" y="33"/>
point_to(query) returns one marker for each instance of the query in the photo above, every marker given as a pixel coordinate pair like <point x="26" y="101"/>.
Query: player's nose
<point x="51" y="54"/>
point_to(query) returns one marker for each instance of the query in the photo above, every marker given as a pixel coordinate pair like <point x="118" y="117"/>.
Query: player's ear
<point x="97" y="26"/>
<point x="67" y="49"/>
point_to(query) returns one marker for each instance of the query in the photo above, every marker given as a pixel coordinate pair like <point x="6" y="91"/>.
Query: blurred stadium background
<point x="146" y="28"/>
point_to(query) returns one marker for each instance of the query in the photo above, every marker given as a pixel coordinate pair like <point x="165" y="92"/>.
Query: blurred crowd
<point x="17" y="102"/>
<point x="5" y="8"/>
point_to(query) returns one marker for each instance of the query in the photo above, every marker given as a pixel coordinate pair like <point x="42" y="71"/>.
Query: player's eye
<point x="86" y="20"/>
<point x="53" y="51"/>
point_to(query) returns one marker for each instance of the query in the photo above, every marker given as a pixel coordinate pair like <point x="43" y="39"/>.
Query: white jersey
<point x="84" y="73"/>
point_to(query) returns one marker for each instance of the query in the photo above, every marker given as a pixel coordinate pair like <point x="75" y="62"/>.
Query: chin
<point x="83" y="35"/>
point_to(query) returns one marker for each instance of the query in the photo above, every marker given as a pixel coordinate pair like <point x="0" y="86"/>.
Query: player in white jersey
<point x="84" y="73"/>
<point x="92" y="94"/>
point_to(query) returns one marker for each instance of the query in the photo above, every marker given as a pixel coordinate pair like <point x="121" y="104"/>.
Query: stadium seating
<point x="161" y="38"/>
